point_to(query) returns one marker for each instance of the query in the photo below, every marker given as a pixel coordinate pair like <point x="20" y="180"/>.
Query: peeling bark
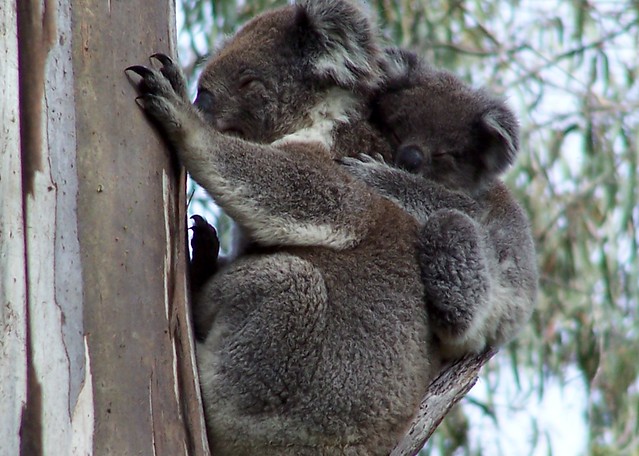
<point x="96" y="349"/>
<point x="13" y="289"/>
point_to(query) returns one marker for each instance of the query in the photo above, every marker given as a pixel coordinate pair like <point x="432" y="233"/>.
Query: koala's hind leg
<point x="456" y="279"/>
<point x="261" y="353"/>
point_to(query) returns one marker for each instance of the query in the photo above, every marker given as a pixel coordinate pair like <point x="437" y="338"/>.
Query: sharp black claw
<point x="162" y="58"/>
<point x="199" y="221"/>
<point x="140" y="70"/>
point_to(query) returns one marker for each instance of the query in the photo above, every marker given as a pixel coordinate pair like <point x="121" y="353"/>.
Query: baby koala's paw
<point x="373" y="171"/>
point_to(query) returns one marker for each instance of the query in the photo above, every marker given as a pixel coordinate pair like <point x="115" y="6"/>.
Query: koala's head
<point x="264" y="82"/>
<point x="441" y="127"/>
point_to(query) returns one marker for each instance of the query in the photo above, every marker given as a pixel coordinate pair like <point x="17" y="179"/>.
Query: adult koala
<point x="319" y="344"/>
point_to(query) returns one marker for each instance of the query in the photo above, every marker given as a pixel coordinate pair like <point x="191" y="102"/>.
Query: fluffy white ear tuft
<point x="342" y="43"/>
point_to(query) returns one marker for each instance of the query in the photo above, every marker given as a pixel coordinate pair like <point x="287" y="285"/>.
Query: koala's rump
<point x="317" y="347"/>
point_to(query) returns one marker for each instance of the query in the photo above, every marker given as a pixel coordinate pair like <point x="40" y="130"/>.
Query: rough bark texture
<point x="95" y="352"/>
<point x="13" y="369"/>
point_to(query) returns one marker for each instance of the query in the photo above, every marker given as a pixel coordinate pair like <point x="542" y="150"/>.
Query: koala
<point x="318" y="341"/>
<point x="451" y="143"/>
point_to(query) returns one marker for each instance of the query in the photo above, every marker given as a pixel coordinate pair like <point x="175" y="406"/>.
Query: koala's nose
<point x="409" y="157"/>
<point x="204" y="101"/>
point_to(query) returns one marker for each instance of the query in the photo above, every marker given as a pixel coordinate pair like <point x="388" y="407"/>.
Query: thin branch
<point x="447" y="389"/>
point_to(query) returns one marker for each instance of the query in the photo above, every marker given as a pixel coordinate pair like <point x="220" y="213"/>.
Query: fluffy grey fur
<point x="319" y="343"/>
<point x="476" y="253"/>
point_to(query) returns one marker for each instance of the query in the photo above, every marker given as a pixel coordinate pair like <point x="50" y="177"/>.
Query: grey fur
<point x="476" y="251"/>
<point x="319" y="344"/>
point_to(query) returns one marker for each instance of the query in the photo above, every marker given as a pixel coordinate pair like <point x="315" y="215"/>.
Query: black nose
<point x="204" y="101"/>
<point x="409" y="157"/>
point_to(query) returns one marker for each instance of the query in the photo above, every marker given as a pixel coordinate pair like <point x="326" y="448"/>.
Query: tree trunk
<point x="95" y="347"/>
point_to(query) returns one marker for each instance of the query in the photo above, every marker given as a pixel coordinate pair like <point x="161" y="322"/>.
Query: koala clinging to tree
<point x="475" y="250"/>
<point x="320" y="344"/>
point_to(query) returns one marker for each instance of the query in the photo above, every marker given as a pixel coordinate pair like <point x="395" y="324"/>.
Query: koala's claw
<point x="364" y="165"/>
<point x="162" y="58"/>
<point x="200" y="222"/>
<point x="140" y="100"/>
<point x="162" y="94"/>
<point x="173" y="73"/>
<point x="152" y="81"/>
<point x="362" y="160"/>
<point x="140" y="70"/>
<point x="205" y="242"/>
<point x="365" y="158"/>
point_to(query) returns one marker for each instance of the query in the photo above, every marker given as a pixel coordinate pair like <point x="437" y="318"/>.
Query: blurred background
<point x="569" y="385"/>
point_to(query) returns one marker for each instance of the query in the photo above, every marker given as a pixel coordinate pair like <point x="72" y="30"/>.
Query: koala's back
<point x="316" y="351"/>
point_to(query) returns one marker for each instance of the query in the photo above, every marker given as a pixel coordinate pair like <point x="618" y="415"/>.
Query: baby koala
<point x="476" y="253"/>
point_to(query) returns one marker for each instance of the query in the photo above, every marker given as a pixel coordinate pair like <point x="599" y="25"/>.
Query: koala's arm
<point x="292" y="195"/>
<point x="418" y="196"/>
<point x="480" y="276"/>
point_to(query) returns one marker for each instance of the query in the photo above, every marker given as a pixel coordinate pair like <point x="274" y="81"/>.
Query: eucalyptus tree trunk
<point x="95" y="345"/>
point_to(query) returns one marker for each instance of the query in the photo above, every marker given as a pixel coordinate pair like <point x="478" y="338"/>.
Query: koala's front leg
<point x="456" y="277"/>
<point x="288" y="195"/>
<point x="418" y="196"/>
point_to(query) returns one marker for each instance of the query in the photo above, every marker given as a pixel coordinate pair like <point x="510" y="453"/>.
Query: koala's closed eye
<point x="204" y="101"/>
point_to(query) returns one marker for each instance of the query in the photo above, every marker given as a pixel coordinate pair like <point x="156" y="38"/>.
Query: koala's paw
<point x="454" y="270"/>
<point x="205" y="247"/>
<point x="173" y="73"/>
<point x="162" y="93"/>
<point x="373" y="171"/>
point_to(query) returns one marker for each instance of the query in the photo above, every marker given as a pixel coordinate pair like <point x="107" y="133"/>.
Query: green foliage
<point x="570" y="71"/>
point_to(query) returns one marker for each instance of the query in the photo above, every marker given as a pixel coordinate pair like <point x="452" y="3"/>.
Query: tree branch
<point x="444" y="392"/>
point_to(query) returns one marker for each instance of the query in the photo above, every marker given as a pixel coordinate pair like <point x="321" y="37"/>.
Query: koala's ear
<point x="501" y="137"/>
<point x="399" y="66"/>
<point x="339" y="37"/>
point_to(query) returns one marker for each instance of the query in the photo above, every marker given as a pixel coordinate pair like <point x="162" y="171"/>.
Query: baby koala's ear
<point x="399" y="66"/>
<point x="340" y="39"/>
<point x="500" y="133"/>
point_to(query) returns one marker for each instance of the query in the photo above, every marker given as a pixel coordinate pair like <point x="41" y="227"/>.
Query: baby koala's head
<point x="442" y="128"/>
